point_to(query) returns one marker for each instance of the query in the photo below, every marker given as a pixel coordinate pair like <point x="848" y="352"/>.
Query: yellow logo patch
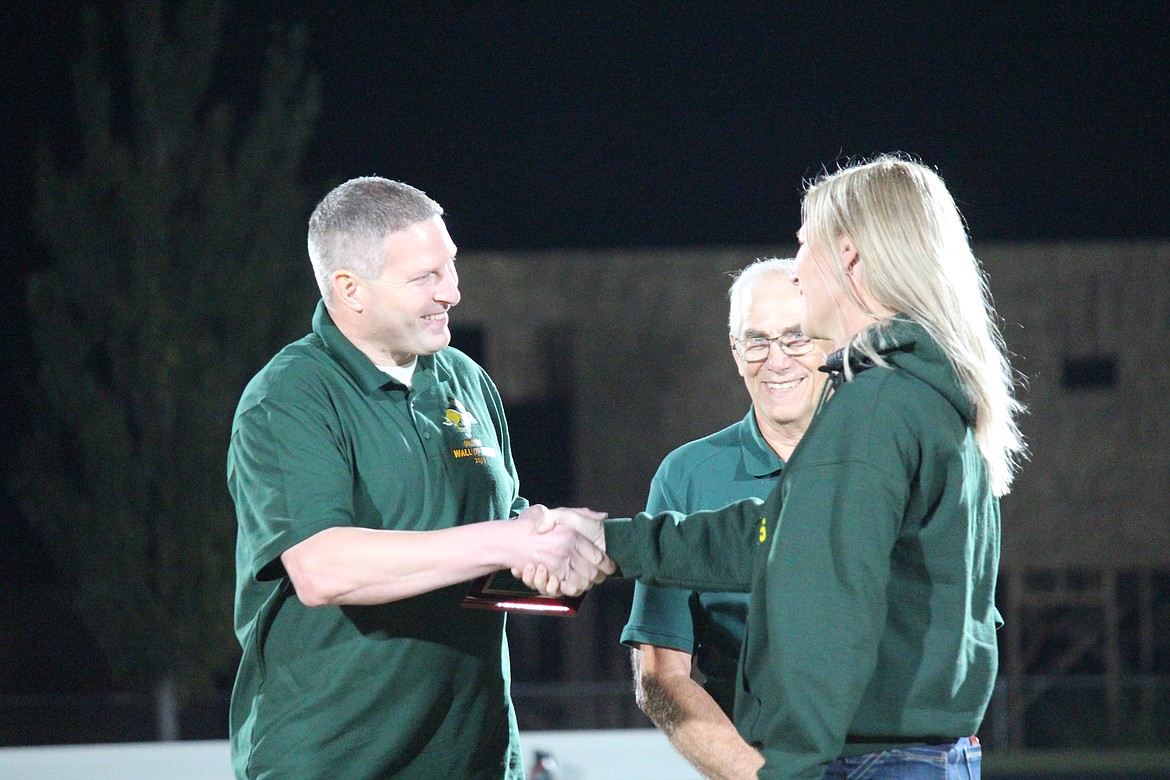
<point x="458" y="417"/>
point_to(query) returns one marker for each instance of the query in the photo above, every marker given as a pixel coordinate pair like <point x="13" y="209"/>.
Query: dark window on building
<point x="1089" y="372"/>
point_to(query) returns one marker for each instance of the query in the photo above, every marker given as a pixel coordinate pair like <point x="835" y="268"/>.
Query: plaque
<point x="502" y="592"/>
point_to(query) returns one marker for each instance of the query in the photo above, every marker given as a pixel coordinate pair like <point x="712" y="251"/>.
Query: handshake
<point x="561" y="551"/>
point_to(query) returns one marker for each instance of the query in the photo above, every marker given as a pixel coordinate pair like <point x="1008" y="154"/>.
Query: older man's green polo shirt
<point x="707" y="473"/>
<point x="412" y="689"/>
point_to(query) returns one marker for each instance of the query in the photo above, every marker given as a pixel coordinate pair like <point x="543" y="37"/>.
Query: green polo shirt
<point x="708" y="473"/>
<point x="416" y="688"/>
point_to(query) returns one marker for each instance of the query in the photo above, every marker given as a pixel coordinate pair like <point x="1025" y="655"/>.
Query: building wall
<point x="1094" y="492"/>
<point x="635" y="342"/>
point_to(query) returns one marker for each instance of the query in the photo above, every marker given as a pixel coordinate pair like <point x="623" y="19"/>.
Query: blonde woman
<point x="870" y="647"/>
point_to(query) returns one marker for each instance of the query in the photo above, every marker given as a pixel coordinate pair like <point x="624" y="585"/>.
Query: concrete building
<point x="609" y="359"/>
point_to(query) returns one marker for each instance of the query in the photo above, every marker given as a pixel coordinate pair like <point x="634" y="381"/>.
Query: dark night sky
<point x="589" y="124"/>
<point x="550" y="124"/>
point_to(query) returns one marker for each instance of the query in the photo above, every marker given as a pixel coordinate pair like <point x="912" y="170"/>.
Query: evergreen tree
<point x="176" y="236"/>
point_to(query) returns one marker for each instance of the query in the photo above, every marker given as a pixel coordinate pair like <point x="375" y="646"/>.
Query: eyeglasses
<point x="756" y="348"/>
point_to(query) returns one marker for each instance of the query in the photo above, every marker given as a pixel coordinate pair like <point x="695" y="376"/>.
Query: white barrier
<point x="636" y="754"/>
<point x="136" y="761"/>
<point x="612" y="754"/>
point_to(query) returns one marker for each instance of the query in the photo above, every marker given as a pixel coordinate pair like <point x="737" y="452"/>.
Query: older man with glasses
<point x="668" y="628"/>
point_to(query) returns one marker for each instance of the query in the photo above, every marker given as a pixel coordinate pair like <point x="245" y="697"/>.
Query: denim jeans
<point x="959" y="761"/>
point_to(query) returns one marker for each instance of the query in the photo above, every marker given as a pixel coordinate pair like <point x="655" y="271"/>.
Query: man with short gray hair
<point x="361" y="459"/>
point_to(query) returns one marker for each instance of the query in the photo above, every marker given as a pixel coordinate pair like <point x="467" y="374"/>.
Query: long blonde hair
<point x="917" y="260"/>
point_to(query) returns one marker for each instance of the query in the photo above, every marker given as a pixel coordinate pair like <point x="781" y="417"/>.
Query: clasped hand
<point x="565" y="550"/>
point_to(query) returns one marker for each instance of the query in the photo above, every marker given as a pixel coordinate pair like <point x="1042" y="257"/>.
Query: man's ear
<point x="347" y="290"/>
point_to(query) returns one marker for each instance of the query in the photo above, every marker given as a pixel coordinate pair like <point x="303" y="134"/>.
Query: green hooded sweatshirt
<point x="872" y="618"/>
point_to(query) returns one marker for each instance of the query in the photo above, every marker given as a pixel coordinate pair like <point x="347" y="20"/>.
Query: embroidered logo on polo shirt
<point x="458" y="417"/>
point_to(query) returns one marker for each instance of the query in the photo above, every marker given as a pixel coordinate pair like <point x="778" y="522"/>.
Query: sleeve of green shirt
<point x="293" y="480"/>
<point x="710" y="550"/>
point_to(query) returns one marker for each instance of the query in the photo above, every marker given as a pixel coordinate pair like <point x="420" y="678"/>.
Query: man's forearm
<point x="348" y="565"/>
<point x="696" y="726"/>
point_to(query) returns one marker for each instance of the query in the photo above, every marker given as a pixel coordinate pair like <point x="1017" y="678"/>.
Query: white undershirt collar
<point x="403" y="374"/>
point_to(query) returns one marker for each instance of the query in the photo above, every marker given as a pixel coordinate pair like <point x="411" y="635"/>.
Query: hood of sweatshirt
<point x="903" y="343"/>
